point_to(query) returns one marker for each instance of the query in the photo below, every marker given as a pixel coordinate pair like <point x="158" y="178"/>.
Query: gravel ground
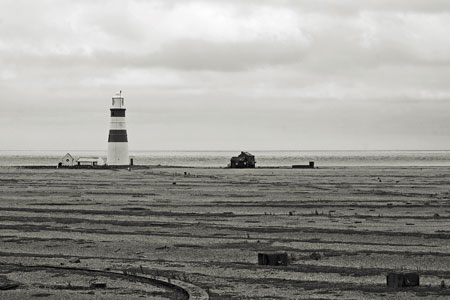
<point x="208" y="225"/>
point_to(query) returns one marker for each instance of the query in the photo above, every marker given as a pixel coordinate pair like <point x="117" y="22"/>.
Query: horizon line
<point x="229" y="150"/>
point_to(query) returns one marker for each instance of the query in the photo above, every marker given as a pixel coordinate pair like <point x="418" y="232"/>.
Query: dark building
<point x="244" y="160"/>
<point x="273" y="259"/>
<point x="396" y="280"/>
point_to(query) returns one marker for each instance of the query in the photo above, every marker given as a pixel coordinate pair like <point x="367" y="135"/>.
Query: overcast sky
<point x="226" y="75"/>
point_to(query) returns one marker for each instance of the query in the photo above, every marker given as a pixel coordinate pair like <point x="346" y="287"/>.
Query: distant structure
<point x="310" y="166"/>
<point x="66" y="161"/>
<point x="118" y="140"/>
<point x="90" y="161"/>
<point x="243" y="160"/>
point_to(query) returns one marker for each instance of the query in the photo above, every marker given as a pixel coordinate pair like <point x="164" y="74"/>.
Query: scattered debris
<point x="273" y="259"/>
<point x="315" y="255"/>
<point x="63" y="285"/>
<point x="293" y="258"/>
<point x="41" y="295"/>
<point x="162" y="248"/>
<point x="396" y="280"/>
<point x="75" y="260"/>
<point x="8" y="286"/>
<point x="93" y="283"/>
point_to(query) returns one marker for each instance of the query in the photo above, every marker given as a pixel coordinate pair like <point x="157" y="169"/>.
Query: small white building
<point x="67" y="160"/>
<point x="90" y="161"/>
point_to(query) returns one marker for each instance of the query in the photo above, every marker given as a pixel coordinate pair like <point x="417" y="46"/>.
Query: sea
<point x="263" y="158"/>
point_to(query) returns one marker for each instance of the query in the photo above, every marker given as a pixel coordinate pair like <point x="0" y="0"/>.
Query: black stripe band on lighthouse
<point x="118" y="139"/>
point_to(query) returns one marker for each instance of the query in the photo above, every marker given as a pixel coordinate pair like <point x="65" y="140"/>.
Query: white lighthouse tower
<point x="118" y="140"/>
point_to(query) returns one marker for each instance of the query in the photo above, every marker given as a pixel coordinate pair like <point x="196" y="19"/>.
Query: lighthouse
<point x="118" y="140"/>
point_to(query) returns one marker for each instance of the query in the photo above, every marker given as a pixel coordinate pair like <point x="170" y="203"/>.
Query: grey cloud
<point x="336" y="7"/>
<point x="182" y="55"/>
<point x="204" y="55"/>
